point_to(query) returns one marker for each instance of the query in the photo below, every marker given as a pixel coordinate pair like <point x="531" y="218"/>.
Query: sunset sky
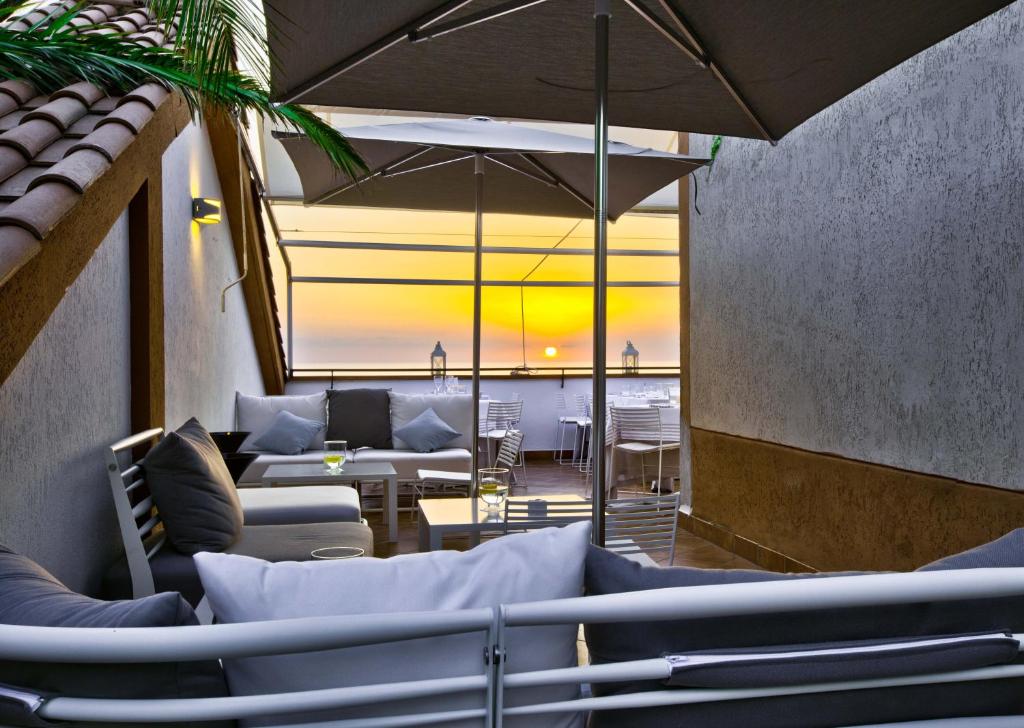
<point x="347" y="325"/>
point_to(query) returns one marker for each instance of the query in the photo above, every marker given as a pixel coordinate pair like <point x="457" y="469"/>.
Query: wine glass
<point x="334" y="455"/>
<point x="492" y="485"/>
<point x="438" y="384"/>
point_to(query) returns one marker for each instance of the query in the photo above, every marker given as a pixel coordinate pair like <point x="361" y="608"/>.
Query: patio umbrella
<point x="442" y="164"/>
<point x="747" y="68"/>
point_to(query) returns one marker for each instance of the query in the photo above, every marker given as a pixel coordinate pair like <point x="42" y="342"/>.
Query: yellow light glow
<point x="550" y="352"/>
<point x="206" y="210"/>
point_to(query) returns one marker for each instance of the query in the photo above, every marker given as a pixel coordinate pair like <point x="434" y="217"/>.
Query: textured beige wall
<point x="66" y="400"/>
<point x="209" y="354"/>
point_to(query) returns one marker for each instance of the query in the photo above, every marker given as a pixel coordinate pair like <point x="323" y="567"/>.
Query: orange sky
<point x="377" y="325"/>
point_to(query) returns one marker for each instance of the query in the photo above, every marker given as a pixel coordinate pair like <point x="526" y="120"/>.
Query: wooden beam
<point x="146" y="268"/>
<point x="32" y="294"/>
<point x="257" y="287"/>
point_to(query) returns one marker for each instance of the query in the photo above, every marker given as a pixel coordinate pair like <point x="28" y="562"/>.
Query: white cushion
<point x="444" y="476"/>
<point x="545" y="564"/>
<point x="408" y="462"/>
<point x="255" y="414"/>
<point x="455" y="409"/>
<point x="299" y="504"/>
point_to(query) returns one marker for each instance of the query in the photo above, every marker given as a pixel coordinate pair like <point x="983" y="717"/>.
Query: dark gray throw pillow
<point x="609" y="573"/>
<point x="360" y="416"/>
<point x="193" y="491"/>
<point x="1005" y="551"/>
<point x="31" y="596"/>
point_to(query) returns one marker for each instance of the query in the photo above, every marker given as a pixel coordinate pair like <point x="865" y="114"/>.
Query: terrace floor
<point x="546" y="477"/>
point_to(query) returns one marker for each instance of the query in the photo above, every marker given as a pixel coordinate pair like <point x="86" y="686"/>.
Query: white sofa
<point x="253" y="414"/>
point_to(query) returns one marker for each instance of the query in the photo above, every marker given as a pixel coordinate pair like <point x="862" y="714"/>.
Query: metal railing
<point x="335" y="374"/>
<point x="489" y="679"/>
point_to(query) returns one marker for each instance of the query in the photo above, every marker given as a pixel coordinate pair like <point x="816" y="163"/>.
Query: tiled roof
<point x="53" y="147"/>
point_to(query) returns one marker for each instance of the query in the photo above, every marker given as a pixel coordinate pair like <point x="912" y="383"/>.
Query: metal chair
<point x="583" y="411"/>
<point x="530" y="515"/>
<point x="455" y="482"/>
<point x="640" y="528"/>
<point x="502" y="417"/>
<point x="567" y="422"/>
<point x="640" y="431"/>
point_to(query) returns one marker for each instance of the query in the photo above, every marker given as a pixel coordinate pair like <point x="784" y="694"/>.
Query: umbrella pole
<point x="478" y="179"/>
<point x="602" y="18"/>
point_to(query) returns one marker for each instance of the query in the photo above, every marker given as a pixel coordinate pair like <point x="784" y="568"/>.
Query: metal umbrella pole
<point x="478" y="241"/>
<point x="602" y="18"/>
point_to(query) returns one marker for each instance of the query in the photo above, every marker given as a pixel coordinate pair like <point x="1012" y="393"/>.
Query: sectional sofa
<point x="367" y="419"/>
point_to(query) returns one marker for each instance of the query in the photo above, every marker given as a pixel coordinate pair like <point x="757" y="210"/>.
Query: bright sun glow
<point x="550" y="352"/>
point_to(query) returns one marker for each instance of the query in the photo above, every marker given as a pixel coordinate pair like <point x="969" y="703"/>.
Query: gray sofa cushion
<point x="31" y="596"/>
<point x="360" y="416"/>
<point x="288" y="434"/>
<point x="299" y="504"/>
<point x="173" y="571"/>
<point x="426" y="432"/>
<point x="609" y="573"/>
<point x="254" y="414"/>
<point x="193" y="490"/>
<point x="455" y="409"/>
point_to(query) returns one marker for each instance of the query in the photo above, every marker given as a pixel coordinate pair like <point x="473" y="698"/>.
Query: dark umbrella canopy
<point x="762" y="66"/>
<point x="429" y="165"/>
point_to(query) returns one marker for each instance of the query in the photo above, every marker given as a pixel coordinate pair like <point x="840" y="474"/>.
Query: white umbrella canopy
<point x="429" y="165"/>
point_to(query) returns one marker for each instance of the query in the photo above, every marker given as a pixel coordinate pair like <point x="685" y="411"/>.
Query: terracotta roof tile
<point x="11" y="162"/>
<point x="109" y="140"/>
<point x="107" y="103"/>
<point x="133" y="115"/>
<point x="15" y="187"/>
<point x="63" y="112"/>
<point x="85" y="125"/>
<point x="93" y="15"/>
<point x="56" y="151"/>
<point x="139" y="17"/>
<point x="20" y="91"/>
<point x="31" y="137"/>
<point x="7" y="104"/>
<point x="84" y="91"/>
<point x="39" y="211"/>
<point x="11" y="120"/>
<point x="77" y="170"/>
<point x="151" y="94"/>
<point x="122" y="26"/>
<point x="17" y="246"/>
<point x="36" y="101"/>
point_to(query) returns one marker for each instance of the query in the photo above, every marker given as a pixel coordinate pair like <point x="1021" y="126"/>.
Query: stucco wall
<point x="209" y="354"/>
<point x="859" y="289"/>
<point x="68" y="398"/>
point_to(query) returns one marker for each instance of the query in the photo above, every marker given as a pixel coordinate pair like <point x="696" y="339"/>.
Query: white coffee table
<point x="315" y="474"/>
<point x="440" y="516"/>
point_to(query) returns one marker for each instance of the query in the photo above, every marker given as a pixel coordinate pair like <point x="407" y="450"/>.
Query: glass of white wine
<point x="492" y="485"/>
<point x="334" y="455"/>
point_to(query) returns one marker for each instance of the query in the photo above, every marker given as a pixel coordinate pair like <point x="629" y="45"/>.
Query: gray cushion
<point x="299" y="504"/>
<point x="407" y="463"/>
<point x="254" y="414"/>
<point x="288" y="434"/>
<point x="31" y="596"/>
<point x="426" y="432"/>
<point x="545" y="564"/>
<point x="193" y="490"/>
<point x="609" y="573"/>
<point x="1005" y="551"/>
<point x="173" y="571"/>
<point x="360" y="416"/>
<point x="455" y="409"/>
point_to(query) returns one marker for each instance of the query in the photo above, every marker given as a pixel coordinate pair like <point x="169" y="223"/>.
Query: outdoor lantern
<point x="205" y="210"/>
<point x="630" y="359"/>
<point x="438" y="361"/>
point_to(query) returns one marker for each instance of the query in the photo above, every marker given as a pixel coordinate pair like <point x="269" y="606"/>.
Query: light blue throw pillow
<point x="288" y="434"/>
<point x="426" y="432"/>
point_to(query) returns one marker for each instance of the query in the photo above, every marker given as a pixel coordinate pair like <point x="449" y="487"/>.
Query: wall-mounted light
<point x="205" y="210"/>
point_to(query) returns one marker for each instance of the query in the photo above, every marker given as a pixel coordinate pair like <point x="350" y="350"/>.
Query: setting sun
<point x="550" y="352"/>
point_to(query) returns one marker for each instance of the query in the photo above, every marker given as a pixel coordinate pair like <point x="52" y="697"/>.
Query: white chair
<point x="583" y="412"/>
<point x="640" y="431"/>
<point x="641" y="528"/>
<point x="530" y="515"/>
<point x="444" y="481"/>
<point x="567" y="422"/>
<point x="501" y="418"/>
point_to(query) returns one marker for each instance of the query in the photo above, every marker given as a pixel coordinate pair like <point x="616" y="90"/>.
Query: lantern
<point x="630" y="359"/>
<point x="438" y="361"/>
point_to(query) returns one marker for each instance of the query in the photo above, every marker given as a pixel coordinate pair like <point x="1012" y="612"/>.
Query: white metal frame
<point x="311" y="634"/>
<point x="640" y="431"/>
<point x="645" y="525"/>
